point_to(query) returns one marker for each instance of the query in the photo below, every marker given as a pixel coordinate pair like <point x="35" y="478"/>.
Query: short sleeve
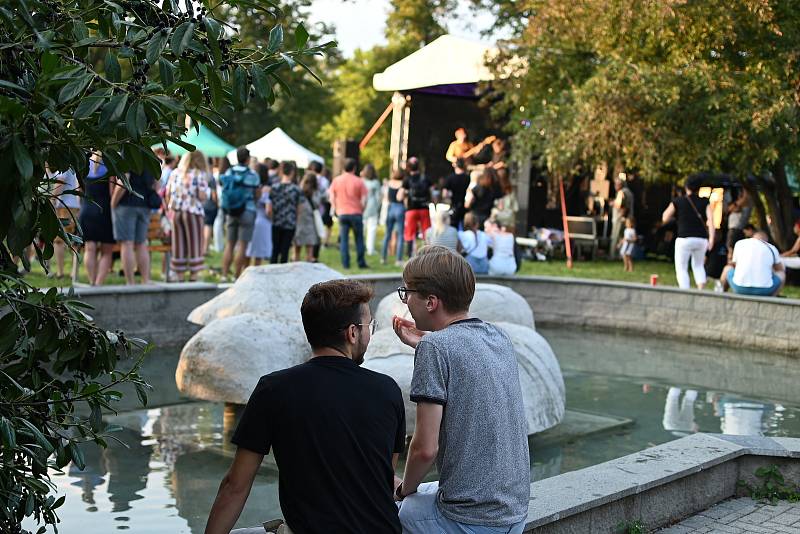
<point x="431" y="375"/>
<point x="253" y="431"/>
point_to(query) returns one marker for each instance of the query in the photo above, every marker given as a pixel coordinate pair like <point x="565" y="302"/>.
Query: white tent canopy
<point x="446" y="60"/>
<point x="278" y="145"/>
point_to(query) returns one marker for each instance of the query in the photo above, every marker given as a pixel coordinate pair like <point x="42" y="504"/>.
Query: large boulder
<point x="224" y="360"/>
<point x="274" y="290"/>
<point x="543" y="390"/>
<point x="492" y="302"/>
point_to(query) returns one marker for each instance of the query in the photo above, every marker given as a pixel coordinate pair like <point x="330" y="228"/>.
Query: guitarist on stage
<point x="463" y="148"/>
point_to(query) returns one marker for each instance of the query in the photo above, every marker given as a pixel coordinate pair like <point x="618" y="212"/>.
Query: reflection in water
<point x="166" y="480"/>
<point x="679" y="417"/>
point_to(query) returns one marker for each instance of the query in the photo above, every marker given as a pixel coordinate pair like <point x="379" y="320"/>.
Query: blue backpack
<point x="234" y="193"/>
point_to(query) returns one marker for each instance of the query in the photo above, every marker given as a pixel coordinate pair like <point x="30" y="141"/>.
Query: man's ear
<point x="433" y="303"/>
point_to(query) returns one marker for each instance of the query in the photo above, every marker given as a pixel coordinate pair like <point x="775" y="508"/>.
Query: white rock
<point x="540" y="375"/>
<point x="492" y="303"/>
<point x="274" y="290"/>
<point x="224" y="360"/>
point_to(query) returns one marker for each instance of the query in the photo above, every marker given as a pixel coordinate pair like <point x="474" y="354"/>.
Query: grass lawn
<point x="597" y="270"/>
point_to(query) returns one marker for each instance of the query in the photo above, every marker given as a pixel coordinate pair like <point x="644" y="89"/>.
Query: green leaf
<point x="38" y="436"/>
<point x="300" y="36"/>
<point x="8" y="434"/>
<point x="289" y="61"/>
<point x="112" y="68"/>
<point x="275" y="38"/>
<point x="213" y="29"/>
<point x="141" y="389"/>
<point x="261" y="82"/>
<point x="79" y="30"/>
<point x="308" y="69"/>
<point x="215" y="86"/>
<point x="181" y="38"/>
<point x="181" y="143"/>
<point x="155" y="46"/>
<point x="77" y="455"/>
<point x="50" y="62"/>
<point x="240" y="88"/>
<point x="130" y="120"/>
<point x="91" y="103"/>
<point x="169" y="103"/>
<point x="74" y="88"/>
<point x="96" y="418"/>
<point x="113" y="110"/>
<point x="166" y="72"/>
<point x="194" y="92"/>
<point x="21" y="157"/>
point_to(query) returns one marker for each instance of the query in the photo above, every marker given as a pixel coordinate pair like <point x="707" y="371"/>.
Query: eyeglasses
<point x="373" y="325"/>
<point x="403" y="292"/>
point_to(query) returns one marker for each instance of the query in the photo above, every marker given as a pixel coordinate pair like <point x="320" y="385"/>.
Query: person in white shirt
<point x="755" y="267"/>
<point x="503" y="262"/>
<point x="475" y="245"/>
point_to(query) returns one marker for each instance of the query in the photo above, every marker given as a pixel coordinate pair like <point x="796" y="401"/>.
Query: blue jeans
<point x="396" y="217"/>
<point x="757" y="291"/>
<point x="346" y="222"/>
<point x="419" y="514"/>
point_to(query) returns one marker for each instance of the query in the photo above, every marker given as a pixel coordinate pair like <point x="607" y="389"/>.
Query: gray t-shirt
<point x="470" y="368"/>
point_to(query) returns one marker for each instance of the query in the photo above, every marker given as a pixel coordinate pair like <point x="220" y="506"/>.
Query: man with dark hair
<point x="240" y="187"/>
<point x="348" y="195"/>
<point x="456" y="186"/>
<point x="336" y="429"/>
<point x="468" y="367"/>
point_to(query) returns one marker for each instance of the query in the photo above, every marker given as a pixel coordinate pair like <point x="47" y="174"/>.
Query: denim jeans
<point x="419" y="514"/>
<point x="395" y="219"/>
<point x="346" y="222"/>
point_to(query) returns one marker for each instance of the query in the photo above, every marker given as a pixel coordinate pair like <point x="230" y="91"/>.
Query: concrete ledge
<point x="158" y="312"/>
<point x="657" y="486"/>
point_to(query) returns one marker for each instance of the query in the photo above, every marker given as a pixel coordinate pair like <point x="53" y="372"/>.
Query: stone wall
<point x="155" y="312"/>
<point x="158" y="312"/>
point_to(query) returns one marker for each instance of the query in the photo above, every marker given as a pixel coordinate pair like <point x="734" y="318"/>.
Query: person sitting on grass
<point x="755" y="268"/>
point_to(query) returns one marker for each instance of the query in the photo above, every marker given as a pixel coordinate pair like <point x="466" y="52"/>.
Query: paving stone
<point x="739" y="516"/>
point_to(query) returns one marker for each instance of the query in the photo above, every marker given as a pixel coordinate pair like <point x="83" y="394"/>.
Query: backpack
<point x="234" y="194"/>
<point x="418" y="194"/>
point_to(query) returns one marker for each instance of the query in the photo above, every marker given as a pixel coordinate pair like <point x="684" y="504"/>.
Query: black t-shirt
<point x="691" y="221"/>
<point x="484" y="200"/>
<point x="457" y="184"/>
<point x="418" y="189"/>
<point x="332" y="427"/>
<point x="142" y="184"/>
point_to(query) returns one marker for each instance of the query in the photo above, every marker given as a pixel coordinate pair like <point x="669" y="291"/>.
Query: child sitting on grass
<point x="626" y="245"/>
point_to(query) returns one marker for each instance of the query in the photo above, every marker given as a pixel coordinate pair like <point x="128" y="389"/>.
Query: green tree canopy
<point x="76" y="77"/>
<point x="665" y="86"/>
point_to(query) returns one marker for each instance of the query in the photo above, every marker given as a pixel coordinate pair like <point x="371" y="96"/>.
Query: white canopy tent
<point x="278" y="145"/>
<point x="446" y="60"/>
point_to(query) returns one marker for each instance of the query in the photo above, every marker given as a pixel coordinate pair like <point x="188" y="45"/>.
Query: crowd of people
<point x="271" y="211"/>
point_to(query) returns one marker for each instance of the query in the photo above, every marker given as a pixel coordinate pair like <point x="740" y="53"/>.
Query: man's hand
<point x="407" y="331"/>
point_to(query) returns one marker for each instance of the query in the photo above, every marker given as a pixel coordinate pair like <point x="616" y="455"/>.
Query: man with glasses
<point x="335" y="428"/>
<point x="479" y="442"/>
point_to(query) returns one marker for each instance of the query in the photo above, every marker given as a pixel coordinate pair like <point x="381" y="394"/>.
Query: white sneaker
<point x="718" y="286"/>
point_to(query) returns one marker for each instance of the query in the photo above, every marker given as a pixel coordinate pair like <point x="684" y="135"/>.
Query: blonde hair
<point x="440" y="219"/>
<point x="439" y="271"/>
<point x="193" y="160"/>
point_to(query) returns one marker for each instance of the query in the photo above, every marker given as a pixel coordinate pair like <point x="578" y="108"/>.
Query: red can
<point x="653" y="279"/>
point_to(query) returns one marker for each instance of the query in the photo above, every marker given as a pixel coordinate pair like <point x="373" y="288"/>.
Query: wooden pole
<point x="564" y="220"/>
<point x="375" y="126"/>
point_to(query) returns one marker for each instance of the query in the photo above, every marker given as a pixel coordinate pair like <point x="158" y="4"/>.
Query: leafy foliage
<point x="773" y="487"/>
<point x="668" y="87"/>
<point x="113" y="77"/>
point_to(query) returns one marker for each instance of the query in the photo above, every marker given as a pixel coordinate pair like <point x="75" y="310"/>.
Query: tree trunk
<point x="782" y="217"/>
<point x="761" y="211"/>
